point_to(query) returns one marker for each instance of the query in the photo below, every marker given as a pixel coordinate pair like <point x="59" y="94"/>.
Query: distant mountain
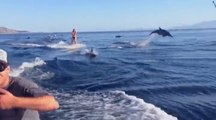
<point x="201" y="25"/>
<point x="4" y="30"/>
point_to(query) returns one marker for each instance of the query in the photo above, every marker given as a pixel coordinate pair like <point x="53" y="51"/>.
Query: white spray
<point x="21" y="69"/>
<point x="145" y="42"/>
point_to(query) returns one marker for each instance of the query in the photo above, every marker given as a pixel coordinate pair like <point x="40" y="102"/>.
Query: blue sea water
<point x="135" y="76"/>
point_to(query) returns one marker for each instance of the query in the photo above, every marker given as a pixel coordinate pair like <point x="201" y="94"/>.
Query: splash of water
<point x="64" y="45"/>
<point x="110" y="105"/>
<point x="85" y="51"/>
<point x="146" y="42"/>
<point x="26" y="65"/>
<point x="26" y="45"/>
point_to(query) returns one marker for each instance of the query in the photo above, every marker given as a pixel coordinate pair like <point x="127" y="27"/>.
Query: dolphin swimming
<point x="118" y="36"/>
<point x="91" y="54"/>
<point x="162" y="32"/>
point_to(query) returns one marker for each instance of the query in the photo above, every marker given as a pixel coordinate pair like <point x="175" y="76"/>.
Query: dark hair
<point x="3" y="65"/>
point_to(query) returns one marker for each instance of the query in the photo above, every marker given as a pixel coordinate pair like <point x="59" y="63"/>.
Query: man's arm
<point x="43" y="103"/>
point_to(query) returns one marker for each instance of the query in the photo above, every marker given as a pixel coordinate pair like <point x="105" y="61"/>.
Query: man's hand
<point x="43" y="103"/>
<point x="7" y="99"/>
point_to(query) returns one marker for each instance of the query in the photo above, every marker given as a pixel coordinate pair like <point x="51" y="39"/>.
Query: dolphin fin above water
<point x="91" y="53"/>
<point x="162" y="32"/>
<point x="214" y="3"/>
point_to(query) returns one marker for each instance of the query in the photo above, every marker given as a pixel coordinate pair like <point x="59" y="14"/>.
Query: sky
<point x="102" y="15"/>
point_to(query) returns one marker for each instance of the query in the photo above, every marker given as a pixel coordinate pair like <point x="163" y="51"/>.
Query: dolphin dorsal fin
<point x="91" y="49"/>
<point x="159" y="28"/>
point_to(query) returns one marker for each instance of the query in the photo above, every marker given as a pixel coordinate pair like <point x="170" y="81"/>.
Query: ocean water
<point x="136" y="76"/>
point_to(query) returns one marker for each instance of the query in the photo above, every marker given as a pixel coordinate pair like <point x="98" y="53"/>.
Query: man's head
<point x="4" y="69"/>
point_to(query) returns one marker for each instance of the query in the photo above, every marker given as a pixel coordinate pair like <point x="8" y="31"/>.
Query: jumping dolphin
<point x="162" y="32"/>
